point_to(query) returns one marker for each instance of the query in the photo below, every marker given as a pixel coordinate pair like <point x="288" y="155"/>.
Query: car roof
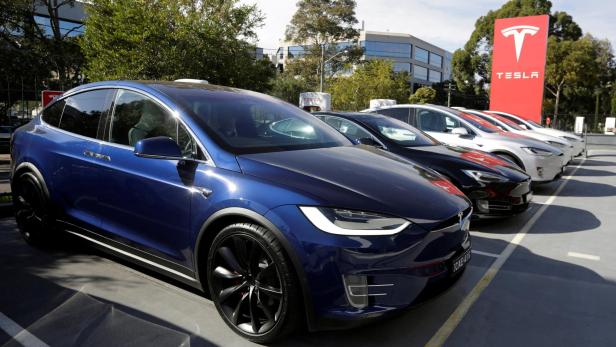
<point x="160" y="86"/>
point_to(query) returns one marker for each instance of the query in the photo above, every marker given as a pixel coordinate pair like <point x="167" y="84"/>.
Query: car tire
<point x="252" y="283"/>
<point x="31" y="206"/>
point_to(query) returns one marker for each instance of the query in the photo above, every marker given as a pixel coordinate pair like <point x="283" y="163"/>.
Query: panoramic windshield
<point x="479" y="123"/>
<point x="245" y="122"/>
<point x="509" y="122"/>
<point x="400" y="132"/>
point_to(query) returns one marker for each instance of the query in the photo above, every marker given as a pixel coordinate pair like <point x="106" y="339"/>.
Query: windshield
<point x="479" y="123"/>
<point x="246" y="122"/>
<point x="400" y="132"/>
<point x="509" y="122"/>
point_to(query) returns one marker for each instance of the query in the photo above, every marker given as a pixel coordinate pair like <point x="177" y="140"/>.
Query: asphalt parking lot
<point x="546" y="277"/>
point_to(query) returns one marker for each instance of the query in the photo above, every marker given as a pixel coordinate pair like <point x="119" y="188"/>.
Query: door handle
<point x="206" y="192"/>
<point x="96" y="155"/>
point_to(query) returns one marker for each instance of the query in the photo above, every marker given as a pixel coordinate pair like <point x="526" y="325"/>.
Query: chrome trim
<point x="368" y="286"/>
<point x="210" y="160"/>
<point x="136" y="257"/>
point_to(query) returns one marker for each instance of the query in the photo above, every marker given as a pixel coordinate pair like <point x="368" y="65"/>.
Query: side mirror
<point x="368" y="141"/>
<point x="159" y="147"/>
<point x="460" y="131"/>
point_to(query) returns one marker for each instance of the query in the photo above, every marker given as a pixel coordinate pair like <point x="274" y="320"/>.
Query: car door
<point x="440" y="125"/>
<point x="77" y="165"/>
<point x="146" y="202"/>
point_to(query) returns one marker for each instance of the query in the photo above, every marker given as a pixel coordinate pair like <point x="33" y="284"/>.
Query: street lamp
<point x="323" y="62"/>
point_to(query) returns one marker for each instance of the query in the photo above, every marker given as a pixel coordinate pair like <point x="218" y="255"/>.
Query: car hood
<point x="524" y="141"/>
<point x="360" y="178"/>
<point x="545" y="137"/>
<point x="464" y="158"/>
<point x="557" y="133"/>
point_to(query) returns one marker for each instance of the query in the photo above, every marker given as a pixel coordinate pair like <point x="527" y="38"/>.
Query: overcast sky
<point x="445" y="23"/>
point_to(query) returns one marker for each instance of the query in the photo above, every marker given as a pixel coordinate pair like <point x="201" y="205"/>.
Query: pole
<point x="449" y="95"/>
<point x="322" y="66"/>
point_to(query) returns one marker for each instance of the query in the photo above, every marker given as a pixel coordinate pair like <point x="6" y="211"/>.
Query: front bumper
<point x="544" y="169"/>
<point x="387" y="273"/>
<point x="500" y="200"/>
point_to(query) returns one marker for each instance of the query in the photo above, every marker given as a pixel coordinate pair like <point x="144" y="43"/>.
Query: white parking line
<point x="18" y="333"/>
<point x="584" y="256"/>
<point x="493" y="255"/>
<point x="458" y="314"/>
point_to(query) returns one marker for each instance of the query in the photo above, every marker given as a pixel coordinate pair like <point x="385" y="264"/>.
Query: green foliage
<point x="375" y="79"/>
<point x="317" y="25"/>
<point x="423" y="95"/>
<point x="288" y="87"/>
<point x="322" y="21"/>
<point x="169" y="39"/>
<point x="613" y="104"/>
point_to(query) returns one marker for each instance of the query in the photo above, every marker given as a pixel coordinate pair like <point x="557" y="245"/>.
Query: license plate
<point x="458" y="263"/>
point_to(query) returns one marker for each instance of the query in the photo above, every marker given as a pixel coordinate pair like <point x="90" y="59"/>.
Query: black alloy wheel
<point x="31" y="208"/>
<point x="251" y="283"/>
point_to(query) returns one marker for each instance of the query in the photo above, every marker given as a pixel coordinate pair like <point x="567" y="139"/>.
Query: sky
<point x="445" y="23"/>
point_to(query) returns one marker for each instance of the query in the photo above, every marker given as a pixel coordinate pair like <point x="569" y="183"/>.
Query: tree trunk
<point x="556" y="102"/>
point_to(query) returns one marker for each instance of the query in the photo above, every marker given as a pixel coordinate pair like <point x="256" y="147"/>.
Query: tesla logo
<point x="519" y="32"/>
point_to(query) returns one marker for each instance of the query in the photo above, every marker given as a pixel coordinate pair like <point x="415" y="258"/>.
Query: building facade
<point x="426" y="63"/>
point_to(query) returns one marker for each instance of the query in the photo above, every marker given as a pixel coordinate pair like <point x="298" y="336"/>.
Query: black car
<point x="496" y="187"/>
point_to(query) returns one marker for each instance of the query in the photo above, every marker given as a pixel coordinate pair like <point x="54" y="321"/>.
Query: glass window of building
<point x="420" y="72"/>
<point x="67" y="28"/>
<point x="436" y="60"/>
<point x="421" y="55"/>
<point x="400" y="67"/>
<point x="296" y="51"/>
<point x="386" y="49"/>
<point x="435" y="76"/>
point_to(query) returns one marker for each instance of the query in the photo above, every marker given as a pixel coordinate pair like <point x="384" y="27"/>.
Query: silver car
<point x="454" y="127"/>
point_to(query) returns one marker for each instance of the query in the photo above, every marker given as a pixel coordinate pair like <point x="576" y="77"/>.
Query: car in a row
<point x="275" y="214"/>
<point x="542" y="161"/>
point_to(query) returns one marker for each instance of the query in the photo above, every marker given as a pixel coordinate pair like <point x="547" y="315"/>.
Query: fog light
<point x="483" y="205"/>
<point x="356" y="287"/>
<point x="540" y="171"/>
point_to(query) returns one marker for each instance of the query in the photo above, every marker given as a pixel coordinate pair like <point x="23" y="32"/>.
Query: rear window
<point x="83" y="112"/>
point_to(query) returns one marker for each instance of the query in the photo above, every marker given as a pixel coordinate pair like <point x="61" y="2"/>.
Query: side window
<point x="349" y="129"/>
<point x="433" y="121"/>
<point x="52" y="114"/>
<point x="137" y="117"/>
<point x="451" y="123"/>
<point x="83" y="112"/>
<point x="398" y="113"/>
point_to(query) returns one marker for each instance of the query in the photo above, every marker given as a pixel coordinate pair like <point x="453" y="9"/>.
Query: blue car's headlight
<point x="485" y="177"/>
<point x="356" y="223"/>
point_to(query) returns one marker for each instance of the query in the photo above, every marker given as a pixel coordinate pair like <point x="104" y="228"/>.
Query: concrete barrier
<point x="600" y="139"/>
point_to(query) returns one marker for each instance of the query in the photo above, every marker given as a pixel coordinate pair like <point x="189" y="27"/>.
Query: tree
<point x="319" y="26"/>
<point x="423" y="95"/>
<point x="169" y="39"/>
<point x="613" y="104"/>
<point x="374" y="79"/>
<point x="288" y="87"/>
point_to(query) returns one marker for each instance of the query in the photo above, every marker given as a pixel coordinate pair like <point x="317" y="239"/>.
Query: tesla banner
<point x="518" y="65"/>
<point x="47" y="96"/>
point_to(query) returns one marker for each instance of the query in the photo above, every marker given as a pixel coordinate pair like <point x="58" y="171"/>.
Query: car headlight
<point x="357" y="223"/>
<point x="557" y="144"/>
<point x="572" y="139"/>
<point x="485" y="177"/>
<point x="537" y="151"/>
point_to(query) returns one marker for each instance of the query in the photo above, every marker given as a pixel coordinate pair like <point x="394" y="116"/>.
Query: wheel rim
<point x="247" y="285"/>
<point x="28" y="206"/>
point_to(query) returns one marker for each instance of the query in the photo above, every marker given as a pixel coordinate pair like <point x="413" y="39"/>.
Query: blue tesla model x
<point x="272" y="212"/>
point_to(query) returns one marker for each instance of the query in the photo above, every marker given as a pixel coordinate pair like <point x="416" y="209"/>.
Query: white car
<point x="453" y="127"/>
<point x="578" y="142"/>
<point x="511" y="126"/>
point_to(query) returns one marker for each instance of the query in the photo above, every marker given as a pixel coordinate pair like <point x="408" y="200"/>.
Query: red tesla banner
<point x="518" y="65"/>
<point x="49" y="95"/>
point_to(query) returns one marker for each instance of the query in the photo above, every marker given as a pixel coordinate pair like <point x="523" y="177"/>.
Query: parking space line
<point x="18" y="333"/>
<point x="493" y="255"/>
<point x="584" y="256"/>
<point x="458" y="314"/>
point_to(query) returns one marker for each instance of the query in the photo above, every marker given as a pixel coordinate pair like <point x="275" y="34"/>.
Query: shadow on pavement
<point x="592" y="173"/>
<point x="588" y="189"/>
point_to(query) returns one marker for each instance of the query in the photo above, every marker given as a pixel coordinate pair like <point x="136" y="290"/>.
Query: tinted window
<point x="245" y="122"/>
<point x="83" y="112"/>
<point x="398" y="113"/>
<point x="52" y="114"/>
<point x="480" y="123"/>
<point x="400" y="132"/>
<point x="137" y="117"/>
<point x="420" y="72"/>
<point x="421" y="54"/>
<point x="347" y="128"/>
